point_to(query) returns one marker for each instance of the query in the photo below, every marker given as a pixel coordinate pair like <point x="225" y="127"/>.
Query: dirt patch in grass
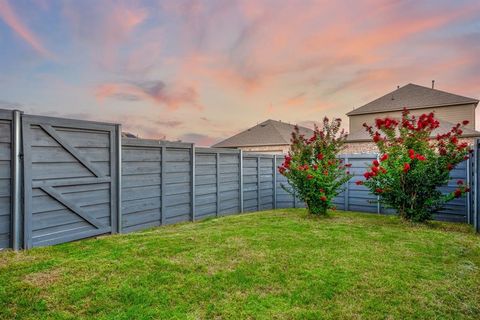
<point x="223" y="257"/>
<point x="44" y="279"/>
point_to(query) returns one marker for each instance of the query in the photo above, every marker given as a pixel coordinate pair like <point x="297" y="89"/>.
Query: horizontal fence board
<point x="146" y="218"/>
<point x="139" y="180"/>
<point x="83" y="138"/>
<point x="140" y="205"/>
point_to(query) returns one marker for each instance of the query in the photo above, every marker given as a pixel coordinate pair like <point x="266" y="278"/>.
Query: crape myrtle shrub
<point x="412" y="165"/>
<point x="313" y="169"/>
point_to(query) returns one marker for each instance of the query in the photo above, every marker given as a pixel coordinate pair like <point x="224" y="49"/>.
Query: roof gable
<point x="267" y="133"/>
<point x="412" y="96"/>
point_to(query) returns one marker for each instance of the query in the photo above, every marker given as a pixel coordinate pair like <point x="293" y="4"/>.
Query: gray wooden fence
<point x="62" y="180"/>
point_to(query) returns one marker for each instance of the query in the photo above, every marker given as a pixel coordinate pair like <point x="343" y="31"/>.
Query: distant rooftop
<point x="267" y="133"/>
<point x="412" y="96"/>
<point x="126" y="134"/>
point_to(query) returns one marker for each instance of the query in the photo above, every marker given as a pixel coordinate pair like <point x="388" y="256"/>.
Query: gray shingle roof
<point x="267" y="133"/>
<point x="412" y="96"/>
<point x="445" y="126"/>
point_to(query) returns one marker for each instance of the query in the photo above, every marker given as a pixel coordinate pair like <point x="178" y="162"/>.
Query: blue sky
<point x="202" y="70"/>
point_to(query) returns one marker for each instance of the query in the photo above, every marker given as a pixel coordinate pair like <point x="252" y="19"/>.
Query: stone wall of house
<point x="359" y="147"/>
<point x="267" y="149"/>
<point x="350" y="147"/>
<point x="370" y="147"/>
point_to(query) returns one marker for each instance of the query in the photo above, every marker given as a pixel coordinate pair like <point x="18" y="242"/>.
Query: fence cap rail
<point x="136" y="142"/>
<point x="65" y="122"/>
<point x="216" y="150"/>
<point x="6" y="114"/>
<point x="258" y="155"/>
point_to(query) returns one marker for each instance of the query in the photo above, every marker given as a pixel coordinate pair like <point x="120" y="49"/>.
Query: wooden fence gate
<point x="70" y="178"/>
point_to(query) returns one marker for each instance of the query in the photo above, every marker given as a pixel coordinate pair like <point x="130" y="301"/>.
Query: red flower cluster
<point x="286" y="164"/>
<point x="375" y="170"/>
<point x="413" y="155"/>
<point x="384" y="157"/>
<point x="377" y="137"/>
<point x="427" y="121"/>
<point x="312" y="139"/>
<point x="406" y="167"/>
<point x="386" y="123"/>
<point x="462" y="188"/>
<point x="304" y="167"/>
<point x="320" y="156"/>
<point x="457" y="193"/>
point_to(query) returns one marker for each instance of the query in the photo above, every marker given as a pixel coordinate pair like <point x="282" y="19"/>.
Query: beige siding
<point x="452" y="114"/>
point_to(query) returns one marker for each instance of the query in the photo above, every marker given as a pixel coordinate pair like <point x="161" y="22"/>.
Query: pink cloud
<point x="173" y="97"/>
<point x="296" y="100"/>
<point x="9" y="16"/>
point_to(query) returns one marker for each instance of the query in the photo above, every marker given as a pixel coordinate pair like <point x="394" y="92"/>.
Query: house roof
<point x="126" y="134"/>
<point x="445" y="126"/>
<point x="412" y="96"/>
<point x="267" y="133"/>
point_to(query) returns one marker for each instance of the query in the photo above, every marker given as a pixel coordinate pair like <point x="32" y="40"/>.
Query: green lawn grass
<point x="267" y="265"/>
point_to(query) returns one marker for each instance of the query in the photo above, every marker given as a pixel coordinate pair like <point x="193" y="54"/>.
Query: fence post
<point x="241" y="179"/>
<point x="118" y="187"/>
<point x="347" y="191"/>
<point x="275" y="181"/>
<point x="193" y="181"/>
<point x="16" y="179"/>
<point x="476" y="200"/>
<point x="218" y="183"/>
<point x="378" y="197"/>
<point x="258" y="184"/>
<point x="468" y="182"/>
<point x="163" y="174"/>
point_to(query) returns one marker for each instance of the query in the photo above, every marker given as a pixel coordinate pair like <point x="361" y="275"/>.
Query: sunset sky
<point x="201" y="71"/>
